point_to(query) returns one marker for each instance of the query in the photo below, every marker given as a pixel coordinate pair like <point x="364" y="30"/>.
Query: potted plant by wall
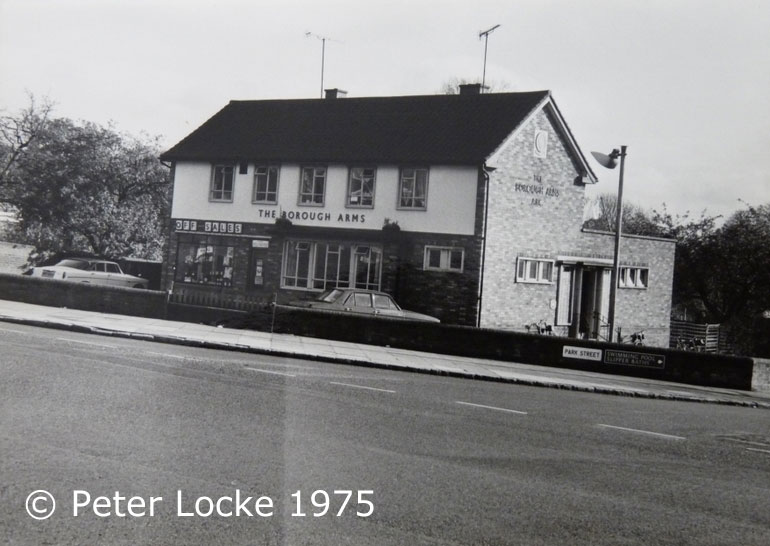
<point x="282" y="224"/>
<point x="390" y="227"/>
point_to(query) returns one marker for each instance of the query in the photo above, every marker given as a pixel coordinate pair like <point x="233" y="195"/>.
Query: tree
<point x="17" y="134"/>
<point x="722" y="271"/>
<point x="84" y="187"/>
<point x="636" y="220"/>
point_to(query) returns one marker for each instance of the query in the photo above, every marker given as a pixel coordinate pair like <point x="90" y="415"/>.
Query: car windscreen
<point x="330" y="296"/>
<point x="75" y="264"/>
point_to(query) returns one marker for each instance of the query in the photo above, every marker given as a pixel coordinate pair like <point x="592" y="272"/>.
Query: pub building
<point x="466" y="207"/>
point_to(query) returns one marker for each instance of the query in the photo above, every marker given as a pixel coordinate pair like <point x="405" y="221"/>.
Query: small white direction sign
<point x="582" y="353"/>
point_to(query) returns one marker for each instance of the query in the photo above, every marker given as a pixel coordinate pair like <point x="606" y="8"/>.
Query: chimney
<point x="335" y="93"/>
<point x="470" y="88"/>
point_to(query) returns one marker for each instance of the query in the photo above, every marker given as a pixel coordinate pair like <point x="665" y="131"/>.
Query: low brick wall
<point x="628" y="360"/>
<point x="761" y="377"/>
<point x="86" y="297"/>
<point x="648" y="362"/>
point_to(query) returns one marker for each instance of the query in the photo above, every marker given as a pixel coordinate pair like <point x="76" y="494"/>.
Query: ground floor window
<point x="205" y="261"/>
<point x="443" y="258"/>
<point x="534" y="270"/>
<point x="633" y="277"/>
<point x="318" y="265"/>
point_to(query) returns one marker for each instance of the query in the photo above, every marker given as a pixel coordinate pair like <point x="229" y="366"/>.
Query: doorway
<point x="594" y="303"/>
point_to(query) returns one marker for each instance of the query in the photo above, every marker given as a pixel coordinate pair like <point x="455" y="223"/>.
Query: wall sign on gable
<point x="538" y="190"/>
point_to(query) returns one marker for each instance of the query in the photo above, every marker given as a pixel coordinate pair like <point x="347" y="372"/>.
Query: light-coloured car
<point x="86" y="270"/>
<point x="362" y="302"/>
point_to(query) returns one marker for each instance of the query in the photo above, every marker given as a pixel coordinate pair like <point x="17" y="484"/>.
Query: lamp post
<point x="610" y="162"/>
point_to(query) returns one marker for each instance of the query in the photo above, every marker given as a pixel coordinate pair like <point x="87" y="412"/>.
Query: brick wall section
<point x="447" y="295"/>
<point x="551" y="226"/>
<point x="103" y="299"/>
<point x="641" y="309"/>
<point x="517" y="227"/>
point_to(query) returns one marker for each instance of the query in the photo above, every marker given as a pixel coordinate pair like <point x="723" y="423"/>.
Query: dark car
<point x="363" y="302"/>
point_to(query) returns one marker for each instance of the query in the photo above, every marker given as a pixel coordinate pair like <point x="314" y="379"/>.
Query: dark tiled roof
<point x="452" y="129"/>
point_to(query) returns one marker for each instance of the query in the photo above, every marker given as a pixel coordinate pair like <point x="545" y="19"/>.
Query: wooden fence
<point x="694" y="336"/>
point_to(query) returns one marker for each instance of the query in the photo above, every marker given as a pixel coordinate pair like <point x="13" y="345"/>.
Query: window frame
<point x="223" y="190"/>
<point x="348" y="202"/>
<point x="204" y="262"/>
<point x="254" y="192"/>
<point x="339" y="250"/>
<point x="445" y="258"/>
<point x="302" y="195"/>
<point x="400" y="194"/>
<point x="641" y="277"/>
<point x="526" y="278"/>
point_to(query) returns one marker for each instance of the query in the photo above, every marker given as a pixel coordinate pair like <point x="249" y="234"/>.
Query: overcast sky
<point x="683" y="83"/>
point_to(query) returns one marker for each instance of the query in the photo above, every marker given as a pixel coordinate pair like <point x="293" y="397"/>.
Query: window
<point x="361" y="187"/>
<point x="332" y="266"/>
<point x="265" y="185"/>
<point x="413" y="189"/>
<point x="205" y="262"/>
<point x="534" y="270"/>
<point x="367" y="267"/>
<point x="316" y="265"/>
<point x="222" y="183"/>
<point x="444" y="258"/>
<point x="633" y="277"/>
<point x="362" y="300"/>
<point x="382" y="301"/>
<point x="312" y="186"/>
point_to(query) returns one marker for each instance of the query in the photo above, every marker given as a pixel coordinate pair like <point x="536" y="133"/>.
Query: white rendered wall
<point x="451" y="199"/>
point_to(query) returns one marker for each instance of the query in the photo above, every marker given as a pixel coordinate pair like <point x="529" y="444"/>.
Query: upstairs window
<point x="633" y="277"/>
<point x="312" y="186"/>
<point x="222" y="183"/>
<point x="361" y="187"/>
<point x="534" y="270"/>
<point x="265" y="185"/>
<point x="413" y="189"/>
<point x="444" y="258"/>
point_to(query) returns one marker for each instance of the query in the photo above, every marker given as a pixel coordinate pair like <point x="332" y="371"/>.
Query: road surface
<point x="95" y="421"/>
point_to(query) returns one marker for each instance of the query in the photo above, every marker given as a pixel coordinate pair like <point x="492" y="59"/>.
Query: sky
<point x="683" y="83"/>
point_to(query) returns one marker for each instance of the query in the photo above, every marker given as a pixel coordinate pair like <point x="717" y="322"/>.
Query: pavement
<point x="199" y="335"/>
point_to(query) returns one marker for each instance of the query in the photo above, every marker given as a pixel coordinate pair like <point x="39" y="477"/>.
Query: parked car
<point x="363" y="302"/>
<point x="89" y="271"/>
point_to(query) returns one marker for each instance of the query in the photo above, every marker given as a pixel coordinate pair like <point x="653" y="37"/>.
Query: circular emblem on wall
<point x="541" y="143"/>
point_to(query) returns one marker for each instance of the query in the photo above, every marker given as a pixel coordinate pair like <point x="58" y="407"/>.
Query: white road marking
<point x="759" y="450"/>
<point x="661" y="435"/>
<point x="167" y="355"/>
<point x="270" y="372"/>
<point x="87" y="343"/>
<point x="740" y="441"/>
<point x="360" y="387"/>
<point x="492" y="408"/>
<point x="14" y="331"/>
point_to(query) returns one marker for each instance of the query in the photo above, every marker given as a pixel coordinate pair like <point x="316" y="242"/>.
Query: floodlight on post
<point x="610" y="162"/>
